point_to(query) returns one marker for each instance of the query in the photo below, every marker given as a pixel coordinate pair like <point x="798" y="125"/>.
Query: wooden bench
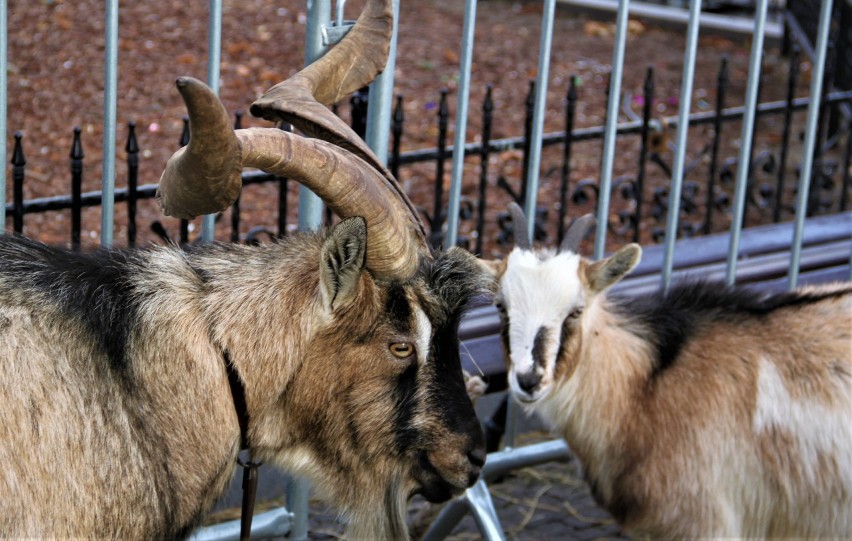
<point x="764" y="262"/>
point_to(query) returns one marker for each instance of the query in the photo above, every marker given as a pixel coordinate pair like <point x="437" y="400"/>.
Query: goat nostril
<point x="528" y="382"/>
<point x="477" y="457"/>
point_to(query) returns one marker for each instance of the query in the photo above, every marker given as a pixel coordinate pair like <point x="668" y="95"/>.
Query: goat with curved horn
<point x="331" y="354"/>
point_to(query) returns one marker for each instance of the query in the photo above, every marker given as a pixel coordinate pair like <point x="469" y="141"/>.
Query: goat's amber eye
<point x="402" y="350"/>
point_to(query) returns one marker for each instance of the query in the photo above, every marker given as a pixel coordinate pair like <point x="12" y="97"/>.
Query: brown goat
<point x="705" y="412"/>
<point x="119" y="420"/>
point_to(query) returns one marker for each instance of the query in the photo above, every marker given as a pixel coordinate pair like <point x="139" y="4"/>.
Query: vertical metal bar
<point x="381" y="98"/>
<point x="746" y="139"/>
<point x="184" y="223"/>
<point x="721" y="91"/>
<point x="538" y="118"/>
<point x="214" y="55"/>
<point x="283" y="189"/>
<point x="76" y="156"/>
<point x="235" y="220"/>
<point x="648" y="96"/>
<point x="298" y="491"/>
<point x="565" y="180"/>
<point x="358" y="110"/>
<point x="611" y="126"/>
<point x="319" y="14"/>
<point x="461" y="123"/>
<point x="341" y="10"/>
<point x="438" y="209"/>
<point x="529" y="113"/>
<point x="132" y="149"/>
<point x="810" y="139"/>
<point x="18" y="164"/>
<point x="235" y="207"/>
<point x="396" y="131"/>
<point x="484" y="153"/>
<point x="788" y="127"/>
<point x="680" y="140"/>
<point x="847" y="170"/>
<point x="110" y="98"/>
<point x="817" y="179"/>
<point x="4" y="83"/>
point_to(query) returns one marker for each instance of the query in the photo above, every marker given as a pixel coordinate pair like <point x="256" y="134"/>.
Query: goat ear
<point x="343" y="254"/>
<point x="604" y="273"/>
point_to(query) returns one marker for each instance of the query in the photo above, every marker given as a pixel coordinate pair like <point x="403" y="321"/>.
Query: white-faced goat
<point x="709" y="411"/>
<point x="118" y="417"/>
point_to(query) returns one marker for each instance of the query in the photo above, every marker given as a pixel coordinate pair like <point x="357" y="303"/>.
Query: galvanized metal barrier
<point x="322" y="32"/>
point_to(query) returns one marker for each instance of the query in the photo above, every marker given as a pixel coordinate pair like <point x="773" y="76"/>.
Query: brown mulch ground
<point x="55" y="82"/>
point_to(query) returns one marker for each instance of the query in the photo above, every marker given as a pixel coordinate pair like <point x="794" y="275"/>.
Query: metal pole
<point x="611" y="126"/>
<point x="381" y="98"/>
<point x="214" y="55"/>
<point x="110" y="97"/>
<point x="682" y="131"/>
<point x="746" y="140"/>
<point x="482" y="509"/>
<point x="341" y="10"/>
<point x="538" y="115"/>
<point x="319" y="15"/>
<point x="810" y="138"/>
<point x="4" y="84"/>
<point x="461" y="123"/>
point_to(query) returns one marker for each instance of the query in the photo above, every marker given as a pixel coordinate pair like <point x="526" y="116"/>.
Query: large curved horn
<point x="578" y="231"/>
<point x="353" y="63"/>
<point x="519" y="227"/>
<point x="204" y="177"/>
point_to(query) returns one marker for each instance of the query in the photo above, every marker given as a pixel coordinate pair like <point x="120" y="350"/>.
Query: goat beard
<point x="382" y="520"/>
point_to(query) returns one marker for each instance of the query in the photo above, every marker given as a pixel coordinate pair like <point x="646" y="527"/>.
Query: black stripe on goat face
<point x="442" y="430"/>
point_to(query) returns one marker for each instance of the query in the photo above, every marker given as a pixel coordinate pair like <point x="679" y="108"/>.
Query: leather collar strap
<point x="238" y="394"/>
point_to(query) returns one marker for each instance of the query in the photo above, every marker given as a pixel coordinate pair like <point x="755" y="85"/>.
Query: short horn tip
<point x="185" y="81"/>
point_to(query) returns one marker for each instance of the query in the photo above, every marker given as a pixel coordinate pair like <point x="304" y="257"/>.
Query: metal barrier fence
<point x="641" y="196"/>
<point x="378" y="128"/>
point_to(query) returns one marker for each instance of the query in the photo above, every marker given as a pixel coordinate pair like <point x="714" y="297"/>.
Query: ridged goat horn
<point x="519" y="227"/>
<point x="577" y="231"/>
<point x="302" y="99"/>
<point x="204" y="177"/>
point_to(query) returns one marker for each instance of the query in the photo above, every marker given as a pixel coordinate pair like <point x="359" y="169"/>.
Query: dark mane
<point x="90" y="287"/>
<point x="669" y="320"/>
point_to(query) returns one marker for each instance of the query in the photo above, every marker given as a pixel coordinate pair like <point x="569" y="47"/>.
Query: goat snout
<point x="528" y="382"/>
<point x="446" y="472"/>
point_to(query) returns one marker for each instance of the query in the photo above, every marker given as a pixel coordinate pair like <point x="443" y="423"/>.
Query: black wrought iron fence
<point x="640" y="201"/>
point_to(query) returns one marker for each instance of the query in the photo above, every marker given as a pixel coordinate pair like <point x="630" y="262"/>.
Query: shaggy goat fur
<point x="118" y="419"/>
<point x="706" y="412"/>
